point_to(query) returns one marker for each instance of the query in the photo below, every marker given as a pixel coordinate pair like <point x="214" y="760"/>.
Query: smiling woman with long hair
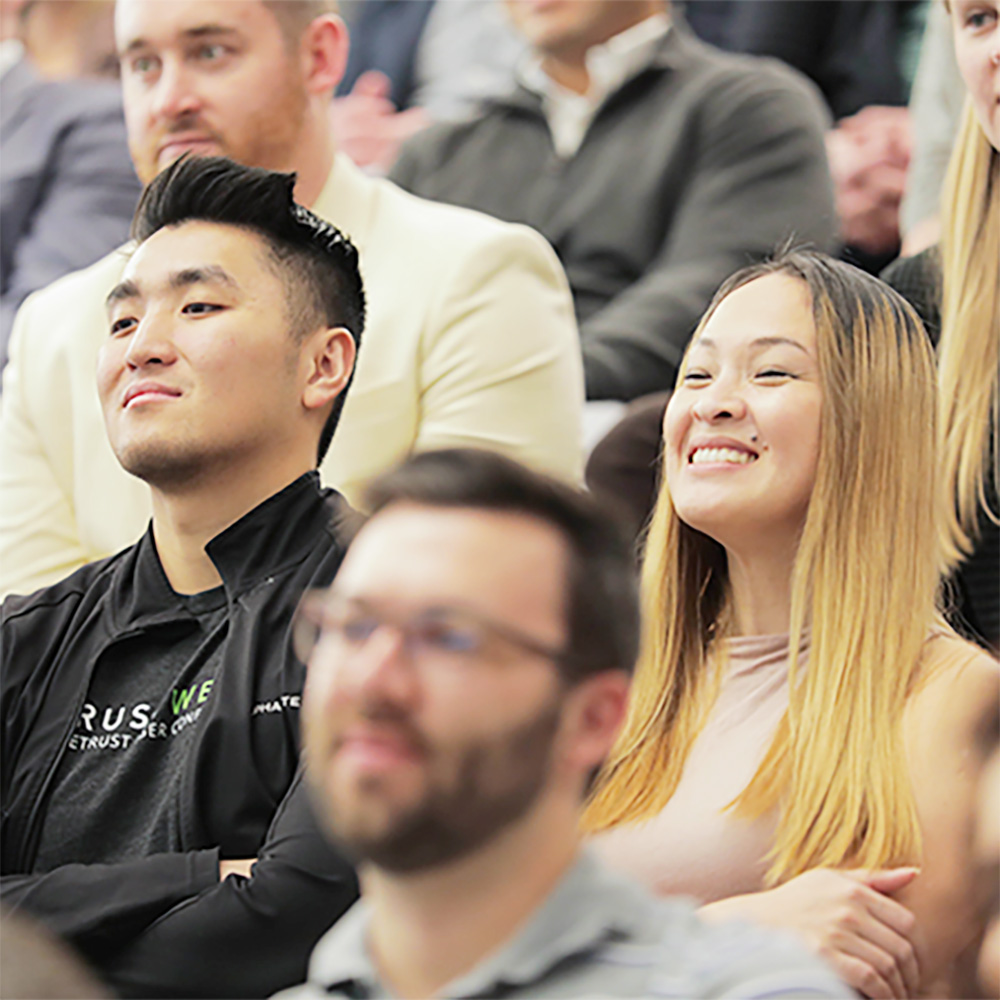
<point x="799" y="705"/>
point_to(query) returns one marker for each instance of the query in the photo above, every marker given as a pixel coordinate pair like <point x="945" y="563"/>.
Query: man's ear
<point x="329" y="356"/>
<point x="323" y="54"/>
<point x="594" y="712"/>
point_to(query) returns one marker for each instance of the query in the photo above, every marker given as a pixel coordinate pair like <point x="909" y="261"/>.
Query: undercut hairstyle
<point x="601" y="598"/>
<point x="864" y="599"/>
<point x="316" y="262"/>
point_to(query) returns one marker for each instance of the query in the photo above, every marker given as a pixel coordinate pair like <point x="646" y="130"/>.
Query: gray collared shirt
<point x="597" y="935"/>
<point x="609" y="66"/>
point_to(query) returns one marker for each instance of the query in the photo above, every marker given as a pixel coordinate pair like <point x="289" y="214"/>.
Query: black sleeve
<point x="245" y="937"/>
<point x="96" y="906"/>
<point x="918" y="280"/>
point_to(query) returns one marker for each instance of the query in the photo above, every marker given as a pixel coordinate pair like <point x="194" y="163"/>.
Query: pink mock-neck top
<point x="695" y="846"/>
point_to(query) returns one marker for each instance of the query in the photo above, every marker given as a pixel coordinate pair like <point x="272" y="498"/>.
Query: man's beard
<point x="165" y="465"/>
<point x="494" y="784"/>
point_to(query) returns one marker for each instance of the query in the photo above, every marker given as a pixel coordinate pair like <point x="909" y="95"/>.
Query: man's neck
<point x="314" y="157"/>
<point x="186" y="519"/>
<point x="430" y="927"/>
<point x="568" y="66"/>
<point x="569" y="71"/>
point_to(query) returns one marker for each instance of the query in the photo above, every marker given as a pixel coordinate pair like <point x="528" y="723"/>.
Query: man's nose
<point x="175" y="95"/>
<point x="383" y="668"/>
<point x="150" y="343"/>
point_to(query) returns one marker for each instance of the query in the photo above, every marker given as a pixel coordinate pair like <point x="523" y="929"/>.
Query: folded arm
<point x="245" y="937"/>
<point x="94" y="906"/>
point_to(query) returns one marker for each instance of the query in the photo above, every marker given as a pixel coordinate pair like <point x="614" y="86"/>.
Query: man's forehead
<point x="161" y="21"/>
<point x="220" y="253"/>
<point x="459" y="550"/>
<point x="504" y="566"/>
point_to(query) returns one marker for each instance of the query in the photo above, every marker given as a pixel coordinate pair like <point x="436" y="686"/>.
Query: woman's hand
<point x="848" y="919"/>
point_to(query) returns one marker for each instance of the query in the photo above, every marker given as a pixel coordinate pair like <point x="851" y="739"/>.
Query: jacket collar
<point x="278" y="533"/>
<point x="348" y="200"/>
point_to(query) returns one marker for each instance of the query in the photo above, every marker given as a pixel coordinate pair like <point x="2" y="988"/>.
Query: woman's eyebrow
<point x="757" y="344"/>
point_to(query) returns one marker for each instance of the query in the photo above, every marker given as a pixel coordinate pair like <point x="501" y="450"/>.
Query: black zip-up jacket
<point x="164" y="925"/>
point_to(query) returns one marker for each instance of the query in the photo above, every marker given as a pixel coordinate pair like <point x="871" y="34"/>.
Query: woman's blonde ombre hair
<point x="969" y="349"/>
<point x="863" y="598"/>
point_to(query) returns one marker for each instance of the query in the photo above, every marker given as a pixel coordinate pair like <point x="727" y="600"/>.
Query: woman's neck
<point x="760" y="588"/>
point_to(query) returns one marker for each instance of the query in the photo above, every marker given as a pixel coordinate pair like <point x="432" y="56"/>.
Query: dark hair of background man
<point x="602" y="604"/>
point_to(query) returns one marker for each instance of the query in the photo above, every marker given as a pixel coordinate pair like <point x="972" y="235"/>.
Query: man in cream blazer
<point x="471" y="338"/>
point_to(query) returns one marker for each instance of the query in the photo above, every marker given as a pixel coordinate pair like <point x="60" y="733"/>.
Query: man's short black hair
<point x="602" y="601"/>
<point x="316" y="261"/>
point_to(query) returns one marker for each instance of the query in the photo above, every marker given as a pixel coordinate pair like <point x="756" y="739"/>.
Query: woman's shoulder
<point x="959" y="681"/>
<point x="945" y="651"/>
<point x="944" y="729"/>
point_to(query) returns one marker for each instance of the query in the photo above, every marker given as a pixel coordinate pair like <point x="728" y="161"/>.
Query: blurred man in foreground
<point x="468" y="672"/>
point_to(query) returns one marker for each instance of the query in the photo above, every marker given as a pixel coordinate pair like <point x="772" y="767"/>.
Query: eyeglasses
<point x="438" y="635"/>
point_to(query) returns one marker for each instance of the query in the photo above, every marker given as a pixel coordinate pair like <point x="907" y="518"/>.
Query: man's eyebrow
<point x="123" y="290"/>
<point x="206" y="274"/>
<point x="208" y="31"/>
<point x="191" y="34"/>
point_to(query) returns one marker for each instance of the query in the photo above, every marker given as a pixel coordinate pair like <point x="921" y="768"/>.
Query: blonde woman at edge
<point x="798" y="746"/>
<point x="969" y="349"/>
<point x="967" y="265"/>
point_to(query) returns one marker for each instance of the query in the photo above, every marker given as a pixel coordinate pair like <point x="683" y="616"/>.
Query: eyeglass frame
<point x="314" y="612"/>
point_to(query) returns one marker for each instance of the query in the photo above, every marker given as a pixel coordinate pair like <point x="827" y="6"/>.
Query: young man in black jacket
<point x="152" y="808"/>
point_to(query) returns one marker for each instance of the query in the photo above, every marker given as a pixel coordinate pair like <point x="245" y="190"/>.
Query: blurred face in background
<point x="976" y="29"/>
<point x="68" y="39"/>
<point x="212" y="77"/>
<point x="567" y="28"/>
